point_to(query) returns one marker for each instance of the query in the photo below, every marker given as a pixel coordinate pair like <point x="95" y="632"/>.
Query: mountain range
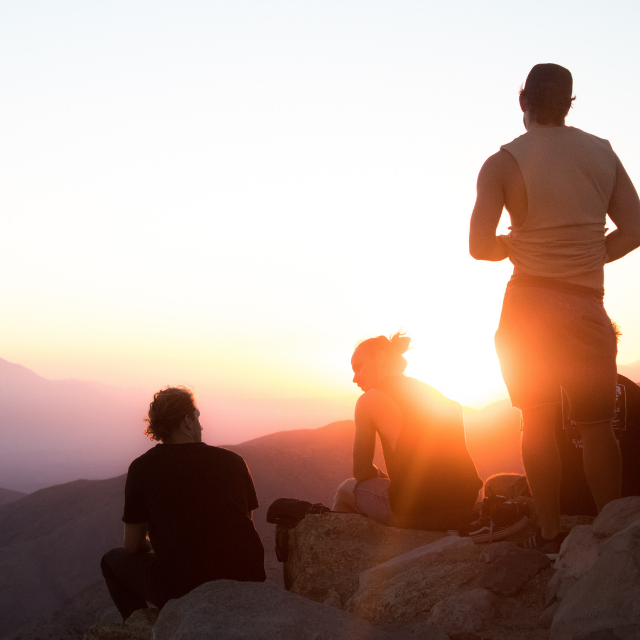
<point x="55" y="431"/>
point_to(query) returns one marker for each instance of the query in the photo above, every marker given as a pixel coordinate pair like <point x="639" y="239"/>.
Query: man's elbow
<point x="478" y="250"/>
<point x="635" y="238"/>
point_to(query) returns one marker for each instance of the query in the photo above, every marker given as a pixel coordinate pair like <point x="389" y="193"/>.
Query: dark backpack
<point x="286" y="513"/>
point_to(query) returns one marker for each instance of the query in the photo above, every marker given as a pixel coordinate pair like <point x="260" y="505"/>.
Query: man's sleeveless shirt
<point x="569" y="177"/>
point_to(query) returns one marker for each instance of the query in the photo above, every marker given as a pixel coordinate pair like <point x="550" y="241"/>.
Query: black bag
<point x="289" y="511"/>
<point x="286" y="513"/>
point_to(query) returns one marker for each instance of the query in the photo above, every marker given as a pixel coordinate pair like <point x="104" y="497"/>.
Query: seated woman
<point x="432" y="482"/>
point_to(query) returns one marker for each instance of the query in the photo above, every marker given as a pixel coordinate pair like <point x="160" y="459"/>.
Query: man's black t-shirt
<point x="196" y="500"/>
<point x="575" y="496"/>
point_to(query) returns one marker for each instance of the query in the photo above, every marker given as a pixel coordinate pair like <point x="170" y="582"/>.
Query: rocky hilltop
<point x="354" y="579"/>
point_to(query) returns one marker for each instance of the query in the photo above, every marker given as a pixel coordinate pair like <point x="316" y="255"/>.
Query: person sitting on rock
<point x="194" y="501"/>
<point x="432" y="482"/>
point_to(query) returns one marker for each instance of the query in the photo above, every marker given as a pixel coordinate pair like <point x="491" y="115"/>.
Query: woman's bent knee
<point x="345" y="501"/>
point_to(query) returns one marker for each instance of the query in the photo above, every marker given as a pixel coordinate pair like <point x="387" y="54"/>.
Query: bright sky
<point x="232" y="194"/>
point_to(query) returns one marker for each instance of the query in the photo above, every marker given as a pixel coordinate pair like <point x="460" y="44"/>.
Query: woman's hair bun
<point x="400" y="342"/>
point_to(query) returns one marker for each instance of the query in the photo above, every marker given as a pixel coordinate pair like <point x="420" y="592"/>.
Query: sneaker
<point x="551" y="548"/>
<point x="484" y="529"/>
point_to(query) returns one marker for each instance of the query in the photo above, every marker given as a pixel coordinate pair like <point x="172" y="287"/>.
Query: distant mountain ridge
<point x="7" y="496"/>
<point x="56" y="431"/>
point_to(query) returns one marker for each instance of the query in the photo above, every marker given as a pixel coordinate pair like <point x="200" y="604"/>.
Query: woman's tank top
<point x="430" y="468"/>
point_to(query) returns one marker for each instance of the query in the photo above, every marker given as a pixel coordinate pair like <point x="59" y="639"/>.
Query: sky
<point x="232" y="194"/>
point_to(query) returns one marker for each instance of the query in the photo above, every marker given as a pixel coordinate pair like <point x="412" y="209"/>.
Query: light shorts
<point x="550" y="338"/>
<point x="372" y="499"/>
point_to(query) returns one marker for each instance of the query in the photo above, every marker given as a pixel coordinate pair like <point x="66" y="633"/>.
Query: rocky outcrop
<point x="408" y="586"/>
<point x="327" y="553"/>
<point x="596" y="588"/>
<point x="465" y="612"/>
<point x="378" y="582"/>
<point x="139" y="626"/>
<point x="434" y="590"/>
<point x="227" y="610"/>
<point x="509" y="572"/>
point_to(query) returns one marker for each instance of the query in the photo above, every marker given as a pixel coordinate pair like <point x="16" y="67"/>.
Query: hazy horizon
<point x="57" y="431"/>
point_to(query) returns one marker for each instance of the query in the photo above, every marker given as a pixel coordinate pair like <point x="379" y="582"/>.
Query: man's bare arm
<point x="483" y="242"/>
<point x="135" y="537"/>
<point x="624" y="210"/>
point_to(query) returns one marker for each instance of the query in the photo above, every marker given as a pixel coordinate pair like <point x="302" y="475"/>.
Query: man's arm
<point x="624" y="210"/>
<point x="490" y="200"/>
<point x="135" y="537"/>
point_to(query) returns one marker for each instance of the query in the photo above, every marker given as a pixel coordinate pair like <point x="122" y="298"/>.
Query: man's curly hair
<point x="167" y="410"/>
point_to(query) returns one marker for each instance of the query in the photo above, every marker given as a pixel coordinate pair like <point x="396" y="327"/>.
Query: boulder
<point x="465" y="612"/>
<point x="229" y="610"/>
<point x="627" y="632"/>
<point x="617" y="515"/>
<point x="138" y="626"/>
<point x="581" y="549"/>
<point x="408" y="586"/>
<point x="491" y="552"/>
<point x="415" y="630"/>
<point x="329" y="551"/>
<point x="607" y="596"/>
<point x="512" y="570"/>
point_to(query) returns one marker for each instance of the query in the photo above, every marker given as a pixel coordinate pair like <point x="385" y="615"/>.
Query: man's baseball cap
<point x="541" y="74"/>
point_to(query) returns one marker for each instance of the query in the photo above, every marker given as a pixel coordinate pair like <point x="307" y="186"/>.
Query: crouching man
<point x="194" y="502"/>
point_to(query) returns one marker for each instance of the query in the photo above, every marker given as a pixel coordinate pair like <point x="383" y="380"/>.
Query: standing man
<point x="557" y="184"/>
<point x="194" y="501"/>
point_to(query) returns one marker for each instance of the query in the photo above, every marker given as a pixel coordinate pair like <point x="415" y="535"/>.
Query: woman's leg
<point x="372" y="499"/>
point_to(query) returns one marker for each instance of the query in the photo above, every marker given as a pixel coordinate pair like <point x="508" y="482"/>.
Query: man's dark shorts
<point x="557" y="336"/>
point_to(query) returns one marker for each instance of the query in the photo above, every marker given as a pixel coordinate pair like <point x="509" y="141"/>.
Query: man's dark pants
<point x="131" y="580"/>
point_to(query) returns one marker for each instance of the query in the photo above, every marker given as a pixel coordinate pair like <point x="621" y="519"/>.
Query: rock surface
<point x="408" y="586"/>
<point x="139" y="626"/>
<point x="513" y="569"/>
<point x="597" y="583"/>
<point x="466" y="612"/>
<point x="416" y="585"/>
<point x="228" y="610"/>
<point x="330" y="550"/>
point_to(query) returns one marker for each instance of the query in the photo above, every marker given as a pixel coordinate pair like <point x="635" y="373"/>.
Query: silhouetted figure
<point x="557" y="183"/>
<point x="195" y="502"/>
<point x="432" y="481"/>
